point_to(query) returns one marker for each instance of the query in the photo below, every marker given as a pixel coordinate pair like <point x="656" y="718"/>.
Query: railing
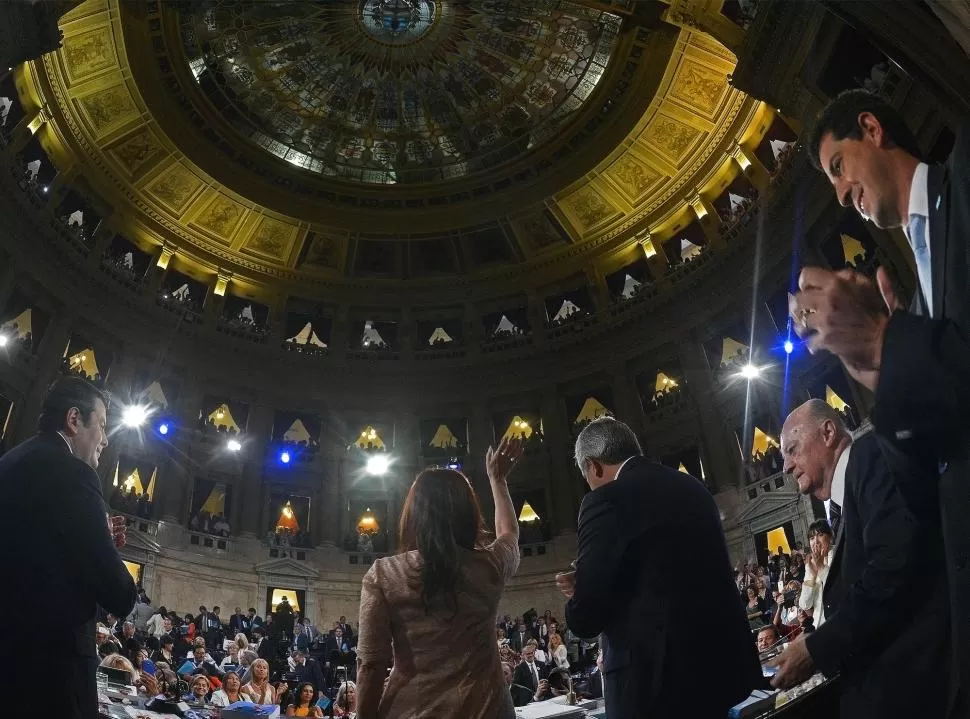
<point x="502" y="343"/>
<point x="297" y="553"/>
<point x="363" y="559"/>
<point x="764" y="485"/>
<point x="535" y="549"/>
<point x="437" y="352"/>
<point x="142" y="525"/>
<point x="210" y="542"/>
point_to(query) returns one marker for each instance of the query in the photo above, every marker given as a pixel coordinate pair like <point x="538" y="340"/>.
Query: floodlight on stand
<point x="233" y="445"/>
<point x="377" y="464"/>
<point x="750" y="371"/>
<point x="135" y="415"/>
<point x="789" y="347"/>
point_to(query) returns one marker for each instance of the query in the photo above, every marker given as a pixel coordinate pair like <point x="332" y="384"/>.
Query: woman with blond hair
<point x="242" y="641"/>
<point x="198" y="690"/>
<point x="259" y="690"/>
<point x="557" y="651"/>
<point x="345" y="705"/>
<point x="442" y="590"/>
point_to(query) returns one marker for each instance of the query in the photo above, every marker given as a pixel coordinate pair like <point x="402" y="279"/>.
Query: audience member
<point x="258" y="689"/>
<point x="345" y="705"/>
<point x="817" y="570"/>
<point x="230" y="691"/>
<point x="198" y="690"/>
<point x="303" y="704"/>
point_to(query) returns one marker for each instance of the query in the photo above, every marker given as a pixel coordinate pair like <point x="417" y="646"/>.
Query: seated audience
<point x="230" y="693"/>
<point x="198" y="691"/>
<point x="532" y="674"/>
<point x="304" y="702"/>
<point x="259" y="689"/>
<point x="557" y="651"/>
<point x="345" y="705"/>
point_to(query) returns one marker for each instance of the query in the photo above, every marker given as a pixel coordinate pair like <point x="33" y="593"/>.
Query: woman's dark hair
<point x="297" y="694"/>
<point x="62" y="395"/>
<point x="751" y="589"/>
<point x="441" y="516"/>
<point x="841" y="118"/>
<point x="819" y="526"/>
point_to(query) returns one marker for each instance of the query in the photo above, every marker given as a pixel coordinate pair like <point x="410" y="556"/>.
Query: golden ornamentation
<point x="700" y="87"/>
<point x="135" y="152"/>
<point x="175" y="188"/>
<point x="221" y="217"/>
<point x="671" y="137"/>
<point x="538" y="230"/>
<point x="271" y="239"/>
<point x="89" y="52"/>
<point x="633" y="177"/>
<point x="108" y="107"/>
<point x="325" y="251"/>
<point x="589" y="207"/>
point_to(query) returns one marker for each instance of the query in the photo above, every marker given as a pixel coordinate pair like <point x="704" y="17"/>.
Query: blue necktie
<point x="921" y="250"/>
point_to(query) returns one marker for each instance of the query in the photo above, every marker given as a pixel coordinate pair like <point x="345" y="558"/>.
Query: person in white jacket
<point x="155" y="626"/>
<point x="817" y="565"/>
<point x="557" y="651"/>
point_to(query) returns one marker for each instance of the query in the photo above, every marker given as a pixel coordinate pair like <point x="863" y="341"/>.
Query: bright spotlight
<point x="45" y="188"/>
<point x="789" y="347"/>
<point x="750" y="371"/>
<point x="4" y="340"/>
<point x="233" y="445"/>
<point x="285" y="457"/>
<point x="378" y="464"/>
<point x="163" y="428"/>
<point x="135" y="416"/>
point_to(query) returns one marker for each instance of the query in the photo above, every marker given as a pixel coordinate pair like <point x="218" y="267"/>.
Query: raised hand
<point x="500" y="462"/>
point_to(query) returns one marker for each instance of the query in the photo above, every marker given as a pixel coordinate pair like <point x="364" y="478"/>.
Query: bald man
<point x="887" y="615"/>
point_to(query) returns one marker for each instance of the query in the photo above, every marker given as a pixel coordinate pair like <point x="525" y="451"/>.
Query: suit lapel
<point x="938" y="190"/>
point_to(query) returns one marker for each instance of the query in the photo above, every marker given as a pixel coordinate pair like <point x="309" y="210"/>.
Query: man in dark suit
<point x="638" y="528"/>
<point x="309" y="670"/>
<point x="532" y="675"/>
<point x="885" y="599"/>
<point x="238" y="623"/>
<point x="916" y="362"/>
<point x="519" y="638"/>
<point x="70" y="566"/>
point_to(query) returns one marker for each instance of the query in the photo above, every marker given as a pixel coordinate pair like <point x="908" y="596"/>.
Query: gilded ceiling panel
<point x="220" y="217"/>
<point x="137" y="152"/>
<point x="174" y="188"/>
<point x="588" y="209"/>
<point x="271" y="240"/>
<point x="107" y="109"/>
<point x="671" y="138"/>
<point x="326" y="251"/>
<point x="539" y="231"/>
<point x="699" y="87"/>
<point x="632" y="177"/>
<point x="88" y="53"/>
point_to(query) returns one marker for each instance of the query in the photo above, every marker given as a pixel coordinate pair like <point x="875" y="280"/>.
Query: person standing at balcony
<point x="71" y="568"/>
<point x="442" y="590"/>
<point x="638" y="528"/>
<point x="916" y="362"/>
<point x="886" y="613"/>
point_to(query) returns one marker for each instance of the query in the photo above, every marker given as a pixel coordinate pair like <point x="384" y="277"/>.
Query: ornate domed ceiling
<point x="398" y="91"/>
<point x="368" y="147"/>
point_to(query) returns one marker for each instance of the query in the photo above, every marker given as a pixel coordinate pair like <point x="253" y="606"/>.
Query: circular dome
<point x="397" y="22"/>
<point x="398" y="91"/>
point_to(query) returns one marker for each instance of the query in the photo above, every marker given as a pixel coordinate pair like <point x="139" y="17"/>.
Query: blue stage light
<point x="789" y="347"/>
<point x="163" y="428"/>
<point x="285" y="457"/>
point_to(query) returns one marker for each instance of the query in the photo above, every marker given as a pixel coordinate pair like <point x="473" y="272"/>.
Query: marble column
<point x="473" y="330"/>
<point x="258" y="430"/>
<point x="537" y="318"/>
<point x="654" y="253"/>
<point x="406" y="334"/>
<point x="100" y="241"/>
<point x="708" y="219"/>
<point x="8" y="272"/>
<point x="328" y="508"/>
<point x="50" y="353"/>
<point x="173" y="486"/>
<point x="752" y="168"/>
<point x="480" y="438"/>
<point x="626" y="399"/>
<point x="600" y="291"/>
<point x="565" y="483"/>
<point x="724" y="468"/>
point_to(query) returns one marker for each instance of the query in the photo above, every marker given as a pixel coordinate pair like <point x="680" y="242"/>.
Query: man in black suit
<point x="519" y="638"/>
<point x="532" y="675"/>
<point x="885" y="598"/>
<point x="309" y="670"/>
<point x="238" y="623"/>
<point x="638" y="528"/>
<point x="67" y="563"/>
<point x="916" y="362"/>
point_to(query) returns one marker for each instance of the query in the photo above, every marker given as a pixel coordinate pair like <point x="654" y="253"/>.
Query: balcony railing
<point x="209" y="542"/>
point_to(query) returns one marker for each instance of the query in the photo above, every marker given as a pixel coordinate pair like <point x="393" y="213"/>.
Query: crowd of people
<point x="130" y="501"/>
<point x="207" y="660"/>
<point x="764" y="464"/>
<point x="214" y="524"/>
<point x="121" y="265"/>
<point x="284" y="539"/>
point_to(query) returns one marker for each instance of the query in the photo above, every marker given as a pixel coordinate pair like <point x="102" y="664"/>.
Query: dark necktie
<point x="835" y="518"/>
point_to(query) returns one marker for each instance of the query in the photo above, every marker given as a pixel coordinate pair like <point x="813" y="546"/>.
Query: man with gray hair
<point x="886" y="629"/>
<point x="638" y="529"/>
